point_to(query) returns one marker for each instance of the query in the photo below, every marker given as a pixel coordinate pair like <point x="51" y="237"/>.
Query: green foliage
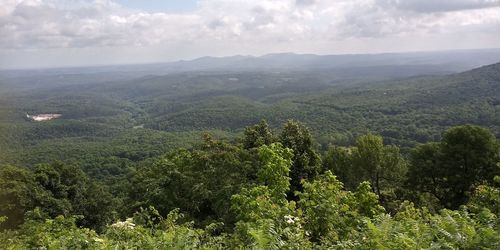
<point x="332" y="213"/>
<point x="466" y="156"/>
<point x="200" y="181"/>
<point x="219" y="195"/>
<point x="67" y="190"/>
<point x="257" y="135"/>
<point x="326" y="216"/>
<point x="56" y="189"/>
<point x="266" y="220"/>
<point x="470" y="154"/>
<point x="423" y="171"/>
<point x="486" y="197"/>
<point x="382" y="165"/>
<point x="306" y="162"/>
<point x="63" y="233"/>
<point x="17" y="187"/>
<point x="371" y="160"/>
<point x="121" y="155"/>
<point x="100" y="111"/>
<point x="339" y="161"/>
<point x="275" y="167"/>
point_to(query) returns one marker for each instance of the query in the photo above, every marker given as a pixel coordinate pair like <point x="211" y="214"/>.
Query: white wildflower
<point x="124" y="224"/>
<point x="98" y="240"/>
<point x="290" y="219"/>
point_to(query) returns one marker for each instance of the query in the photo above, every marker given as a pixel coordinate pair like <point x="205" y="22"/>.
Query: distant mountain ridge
<point x="438" y="62"/>
<point x="452" y="61"/>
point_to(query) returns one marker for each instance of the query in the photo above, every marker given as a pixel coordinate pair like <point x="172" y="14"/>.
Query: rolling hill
<point x="101" y="111"/>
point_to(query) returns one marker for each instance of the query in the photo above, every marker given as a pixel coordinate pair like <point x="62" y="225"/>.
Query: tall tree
<point x="424" y="173"/>
<point x="382" y="165"/>
<point x="466" y="156"/>
<point x="339" y="161"/>
<point x="306" y="162"/>
<point x="469" y="156"/>
<point x="56" y="189"/>
<point x="17" y="187"/>
<point x="258" y="135"/>
<point x="67" y="190"/>
<point x="266" y="219"/>
<point x="199" y="182"/>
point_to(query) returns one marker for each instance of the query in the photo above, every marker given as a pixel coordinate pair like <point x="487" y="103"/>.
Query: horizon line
<point x="235" y="55"/>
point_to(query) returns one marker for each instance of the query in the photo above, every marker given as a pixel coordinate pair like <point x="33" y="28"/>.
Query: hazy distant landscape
<point x="238" y="125"/>
<point x="405" y="102"/>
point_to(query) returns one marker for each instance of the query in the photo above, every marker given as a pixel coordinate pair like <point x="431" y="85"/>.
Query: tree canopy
<point x="221" y="194"/>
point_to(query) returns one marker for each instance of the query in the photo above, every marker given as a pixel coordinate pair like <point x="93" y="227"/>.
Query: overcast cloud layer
<point x="73" y="32"/>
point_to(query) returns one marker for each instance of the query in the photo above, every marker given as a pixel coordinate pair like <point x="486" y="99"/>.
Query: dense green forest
<point x="274" y="159"/>
<point x="268" y="190"/>
<point x="121" y="122"/>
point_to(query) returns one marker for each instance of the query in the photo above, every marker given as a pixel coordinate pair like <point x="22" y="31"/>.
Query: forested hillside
<point x="268" y="159"/>
<point x="117" y="121"/>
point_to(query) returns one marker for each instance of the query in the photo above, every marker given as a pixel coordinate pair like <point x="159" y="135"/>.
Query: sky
<point x="160" y="6"/>
<point x="57" y="33"/>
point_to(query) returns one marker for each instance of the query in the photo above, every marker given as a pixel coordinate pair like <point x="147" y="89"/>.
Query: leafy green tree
<point x="486" y="197"/>
<point x="331" y="213"/>
<point x="266" y="219"/>
<point x="67" y="190"/>
<point x="257" y="135"/>
<point x="97" y="206"/>
<point x="65" y="186"/>
<point x="275" y="168"/>
<point x="200" y="181"/>
<point x="17" y="191"/>
<point x="469" y="156"/>
<point x="339" y="161"/>
<point x="465" y="157"/>
<point x="306" y="162"/>
<point x="425" y="173"/>
<point x="382" y="165"/>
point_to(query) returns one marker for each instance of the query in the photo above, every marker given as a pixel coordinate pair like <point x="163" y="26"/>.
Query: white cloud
<point x="257" y="26"/>
<point x="440" y="6"/>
